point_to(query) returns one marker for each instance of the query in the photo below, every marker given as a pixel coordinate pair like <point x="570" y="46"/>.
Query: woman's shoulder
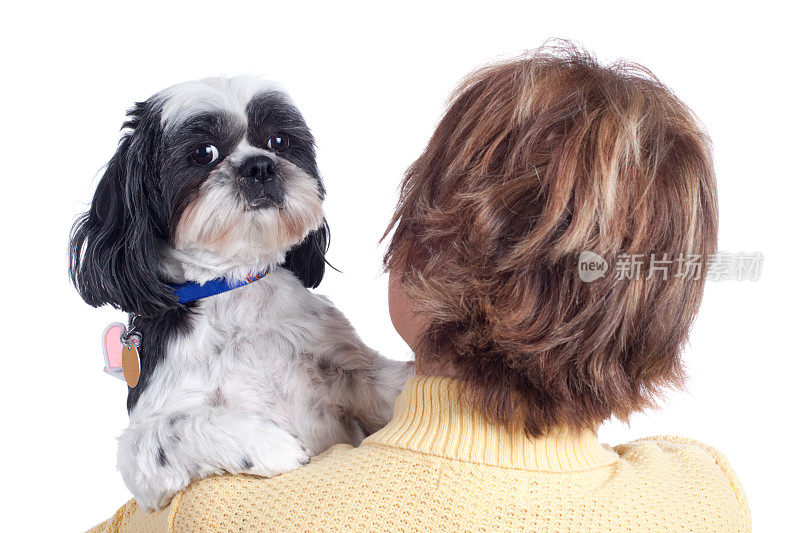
<point x="333" y="484"/>
<point x="689" y="467"/>
<point x="665" y="480"/>
<point x="216" y="503"/>
<point x="680" y="451"/>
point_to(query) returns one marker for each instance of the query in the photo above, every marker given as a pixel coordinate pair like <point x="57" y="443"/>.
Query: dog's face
<point x="238" y="171"/>
<point x="212" y="178"/>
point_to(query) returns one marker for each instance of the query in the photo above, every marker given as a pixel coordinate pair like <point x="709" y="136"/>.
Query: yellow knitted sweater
<point x="440" y="466"/>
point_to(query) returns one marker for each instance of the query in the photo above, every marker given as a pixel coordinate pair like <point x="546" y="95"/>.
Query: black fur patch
<point x="162" y="457"/>
<point x="113" y="246"/>
<point x="177" y="418"/>
<point x="155" y="334"/>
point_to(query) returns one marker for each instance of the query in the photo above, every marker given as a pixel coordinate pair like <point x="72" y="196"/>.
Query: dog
<point x="215" y="184"/>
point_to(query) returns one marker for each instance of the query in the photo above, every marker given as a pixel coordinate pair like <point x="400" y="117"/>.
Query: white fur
<point x="211" y="94"/>
<point x="269" y="373"/>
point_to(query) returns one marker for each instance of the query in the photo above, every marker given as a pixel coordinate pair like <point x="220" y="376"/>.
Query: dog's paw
<point x="268" y="451"/>
<point x="151" y="477"/>
<point x="162" y="456"/>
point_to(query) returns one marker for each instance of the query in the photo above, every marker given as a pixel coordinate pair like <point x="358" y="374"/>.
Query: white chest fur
<point x="266" y="375"/>
<point x="268" y="349"/>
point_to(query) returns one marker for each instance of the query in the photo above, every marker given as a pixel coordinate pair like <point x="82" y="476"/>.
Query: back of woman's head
<point x="535" y="161"/>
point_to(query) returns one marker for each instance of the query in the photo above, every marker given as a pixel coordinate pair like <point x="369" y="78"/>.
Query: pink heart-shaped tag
<point x="112" y="349"/>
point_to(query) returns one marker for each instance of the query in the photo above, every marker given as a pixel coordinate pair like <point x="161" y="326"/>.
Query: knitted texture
<point x="440" y="466"/>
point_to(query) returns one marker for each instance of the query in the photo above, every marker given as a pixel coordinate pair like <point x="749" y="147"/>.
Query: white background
<point x="372" y="83"/>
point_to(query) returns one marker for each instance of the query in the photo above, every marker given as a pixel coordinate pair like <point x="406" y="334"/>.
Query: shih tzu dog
<point x="207" y="228"/>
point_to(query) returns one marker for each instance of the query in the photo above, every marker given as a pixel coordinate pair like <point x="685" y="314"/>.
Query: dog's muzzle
<point x="258" y="180"/>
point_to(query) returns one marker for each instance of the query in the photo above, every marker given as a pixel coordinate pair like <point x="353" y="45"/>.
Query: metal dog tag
<point x="121" y="354"/>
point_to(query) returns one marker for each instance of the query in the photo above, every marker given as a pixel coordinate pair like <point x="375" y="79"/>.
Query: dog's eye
<point x="205" y="154"/>
<point x="278" y="142"/>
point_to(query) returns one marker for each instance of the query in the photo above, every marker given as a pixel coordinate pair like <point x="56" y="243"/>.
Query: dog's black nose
<point x="259" y="169"/>
<point x="258" y="182"/>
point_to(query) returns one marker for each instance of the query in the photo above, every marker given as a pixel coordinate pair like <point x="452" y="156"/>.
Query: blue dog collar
<point x="191" y="290"/>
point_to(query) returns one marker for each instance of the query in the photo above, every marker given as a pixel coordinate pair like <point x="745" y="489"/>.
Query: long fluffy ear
<point x="113" y="246"/>
<point x="307" y="259"/>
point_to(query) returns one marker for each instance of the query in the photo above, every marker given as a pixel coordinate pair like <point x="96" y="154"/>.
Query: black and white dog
<point x="217" y="179"/>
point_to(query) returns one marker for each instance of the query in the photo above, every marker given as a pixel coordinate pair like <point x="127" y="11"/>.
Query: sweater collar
<point x="430" y="418"/>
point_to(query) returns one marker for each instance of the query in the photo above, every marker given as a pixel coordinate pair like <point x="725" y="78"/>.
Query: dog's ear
<point x="114" y="246"/>
<point x="307" y="259"/>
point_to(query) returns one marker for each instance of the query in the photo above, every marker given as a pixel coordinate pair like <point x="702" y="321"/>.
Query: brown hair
<point x="534" y="161"/>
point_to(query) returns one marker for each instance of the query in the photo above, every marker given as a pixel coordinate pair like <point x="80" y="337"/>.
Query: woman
<point x="546" y="179"/>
